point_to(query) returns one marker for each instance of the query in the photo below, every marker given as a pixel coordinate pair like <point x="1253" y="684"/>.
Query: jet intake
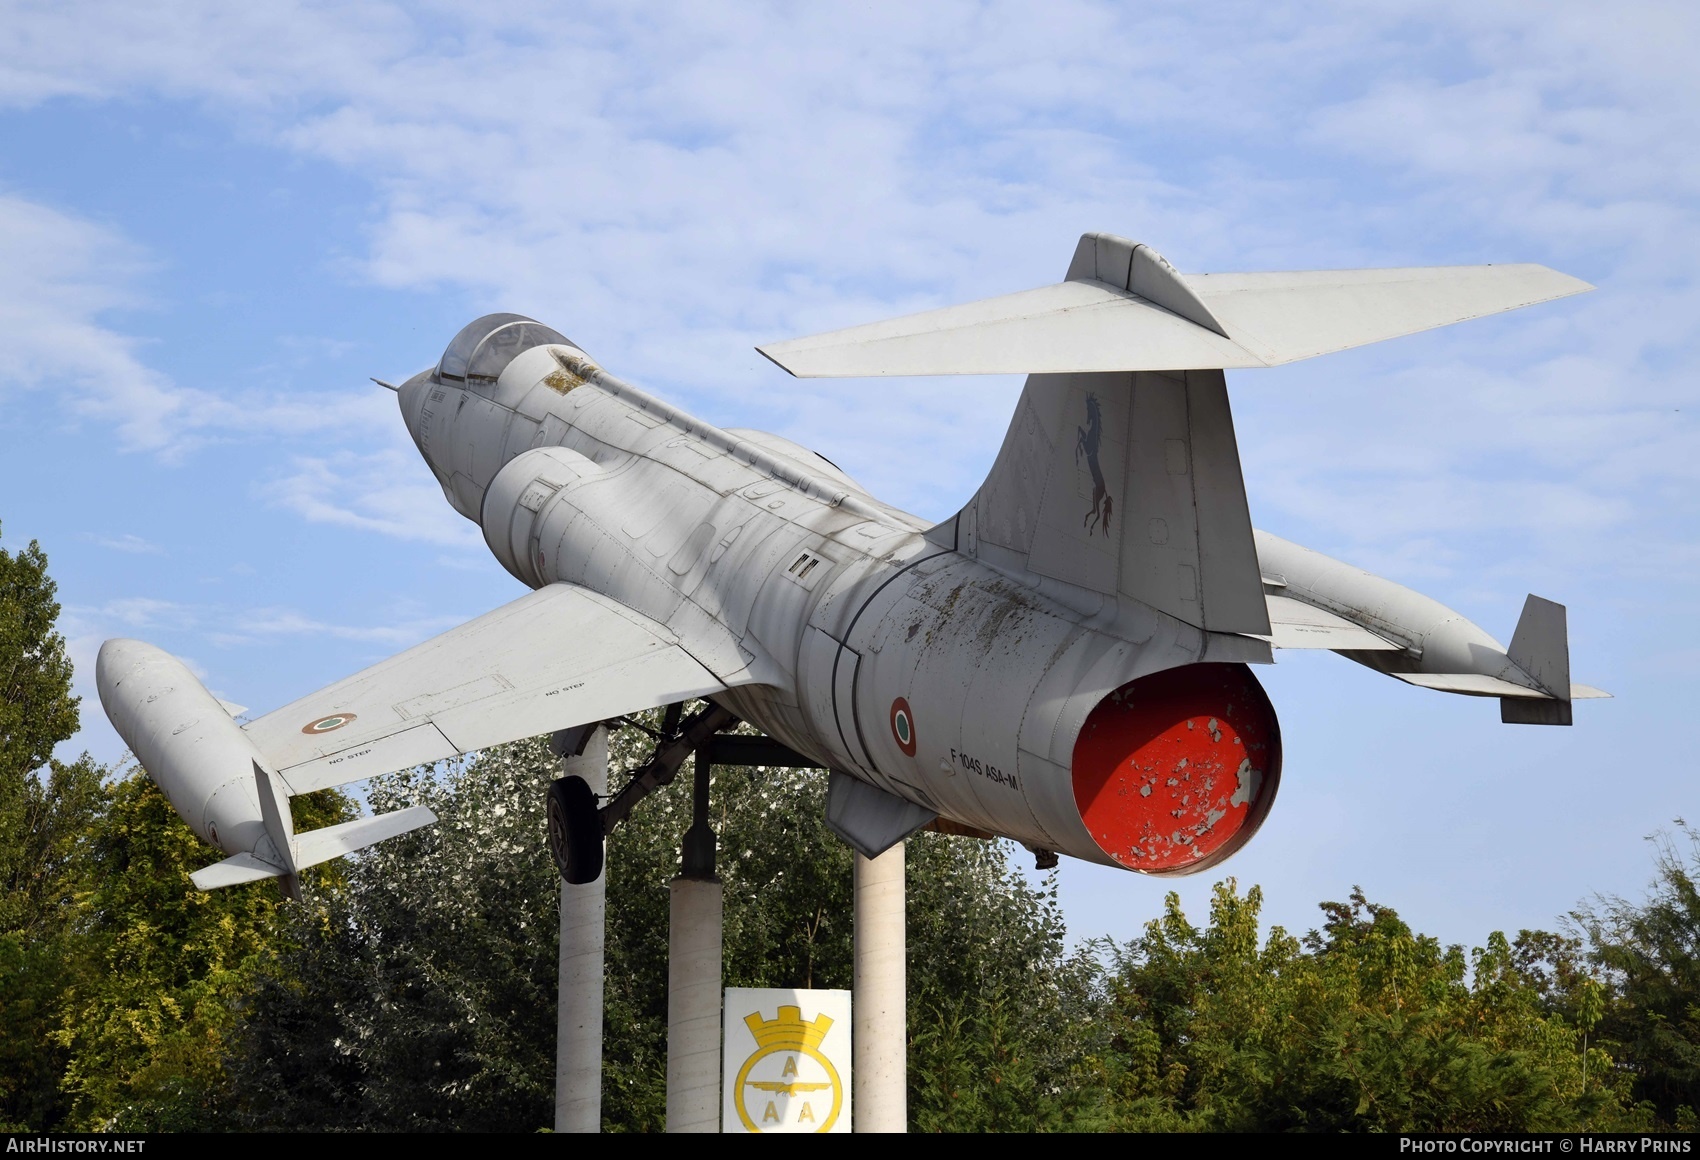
<point x="515" y="501"/>
<point x="1175" y="771"/>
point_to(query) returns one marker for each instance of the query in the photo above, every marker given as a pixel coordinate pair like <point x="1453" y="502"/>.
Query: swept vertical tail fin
<point x="1126" y="483"/>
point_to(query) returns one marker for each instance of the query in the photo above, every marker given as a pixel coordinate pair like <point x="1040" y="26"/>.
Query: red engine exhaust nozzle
<point x="1175" y="771"/>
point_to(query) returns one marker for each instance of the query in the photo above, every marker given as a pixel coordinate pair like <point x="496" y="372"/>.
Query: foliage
<point x="46" y="810"/>
<point x="146" y="1029"/>
<point x="1000" y="1015"/>
<point x="1650" y="953"/>
<point x="37" y="710"/>
<point x="1361" y="1026"/>
<point x="422" y="996"/>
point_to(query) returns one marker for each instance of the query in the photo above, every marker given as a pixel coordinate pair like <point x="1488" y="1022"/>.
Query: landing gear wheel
<point x="575" y="830"/>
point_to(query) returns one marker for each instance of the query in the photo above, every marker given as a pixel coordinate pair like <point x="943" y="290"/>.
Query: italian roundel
<point x="903" y="726"/>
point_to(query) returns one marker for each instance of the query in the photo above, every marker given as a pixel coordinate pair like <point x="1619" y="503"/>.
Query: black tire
<point x="575" y="830"/>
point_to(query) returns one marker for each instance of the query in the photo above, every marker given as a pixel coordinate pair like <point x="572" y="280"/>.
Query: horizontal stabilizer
<point x="234" y="871"/>
<point x="1123" y="308"/>
<point x="318" y="846"/>
<point x="1295" y="624"/>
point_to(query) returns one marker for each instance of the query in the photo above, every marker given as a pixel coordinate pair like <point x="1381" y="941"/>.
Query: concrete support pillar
<point x="880" y="998"/>
<point x="693" y="975"/>
<point x="578" y="1032"/>
<point x="693" y="1006"/>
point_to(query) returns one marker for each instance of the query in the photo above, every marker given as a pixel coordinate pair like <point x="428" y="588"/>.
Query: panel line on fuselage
<point x="843" y="647"/>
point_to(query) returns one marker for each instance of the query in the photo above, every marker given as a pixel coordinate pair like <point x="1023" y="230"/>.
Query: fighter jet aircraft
<point x="1065" y="662"/>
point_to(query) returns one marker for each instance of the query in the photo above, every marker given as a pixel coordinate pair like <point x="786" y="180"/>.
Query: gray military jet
<point x="1064" y="662"/>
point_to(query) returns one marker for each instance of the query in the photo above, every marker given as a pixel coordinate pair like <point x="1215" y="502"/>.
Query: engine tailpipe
<point x="1175" y="771"/>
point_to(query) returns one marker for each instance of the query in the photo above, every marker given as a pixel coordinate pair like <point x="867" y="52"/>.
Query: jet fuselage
<point x="880" y="653"/>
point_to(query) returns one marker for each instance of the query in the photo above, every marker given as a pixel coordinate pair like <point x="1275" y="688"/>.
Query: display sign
<point x="787" y="1061"/>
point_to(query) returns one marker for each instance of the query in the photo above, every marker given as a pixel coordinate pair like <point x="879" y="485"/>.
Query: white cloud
<point x="223" y="626"/>
<point x="64" y="274"/>
<point x="131" y="612"/>
<point x="129" y="543"/>
<point x="671" y="187"/>
<point x="388" y="491"/>
<point x="262" y="623"/>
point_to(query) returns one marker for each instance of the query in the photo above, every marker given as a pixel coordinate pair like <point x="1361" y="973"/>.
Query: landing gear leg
<point x="578" y="823"/>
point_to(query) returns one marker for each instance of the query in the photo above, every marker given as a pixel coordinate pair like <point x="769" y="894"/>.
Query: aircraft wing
<point x="554" y="658"/>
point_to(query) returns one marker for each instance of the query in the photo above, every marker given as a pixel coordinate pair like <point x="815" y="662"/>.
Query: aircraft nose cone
<point x="414" y="399"/>
<point x="410" y="397"/>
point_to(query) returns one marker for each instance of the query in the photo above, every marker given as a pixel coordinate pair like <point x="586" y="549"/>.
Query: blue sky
<point x="217" y="220"/>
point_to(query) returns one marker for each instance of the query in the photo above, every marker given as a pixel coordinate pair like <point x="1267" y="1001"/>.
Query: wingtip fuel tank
<point x="214" y="776"/>
<point x="186" y="741"/>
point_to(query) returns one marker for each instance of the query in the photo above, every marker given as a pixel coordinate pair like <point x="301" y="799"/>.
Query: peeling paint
<point x="1249" y="780"/>
<point x="1162" y="736"/>
<point x="562" y="381"/>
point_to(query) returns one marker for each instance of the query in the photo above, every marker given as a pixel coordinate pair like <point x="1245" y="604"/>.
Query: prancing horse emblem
<point x="1087" y="441"/>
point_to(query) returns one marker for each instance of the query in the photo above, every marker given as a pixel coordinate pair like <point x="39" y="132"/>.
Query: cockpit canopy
<point x="484" y="348"/>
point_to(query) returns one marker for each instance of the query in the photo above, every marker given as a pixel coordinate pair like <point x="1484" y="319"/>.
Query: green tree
<point x="46" y="808"/>
<point x="1000" y="1015"/>
<point x="419" y="996"/>
<point x="1362" y="1026"/>
<point x="422" y="996"/>
<point x="1650" y="952"/>
<point x="147" y="1031"/>
<point x="37" y="710"/>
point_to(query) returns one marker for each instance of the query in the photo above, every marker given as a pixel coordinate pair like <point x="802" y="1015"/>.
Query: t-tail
<point x="1119" y="481"/>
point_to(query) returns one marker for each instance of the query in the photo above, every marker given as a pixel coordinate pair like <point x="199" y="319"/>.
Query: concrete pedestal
<point x="578" y="1035"/>
<point x="881" y="1102"/>
<point x="693" y="1006"/>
